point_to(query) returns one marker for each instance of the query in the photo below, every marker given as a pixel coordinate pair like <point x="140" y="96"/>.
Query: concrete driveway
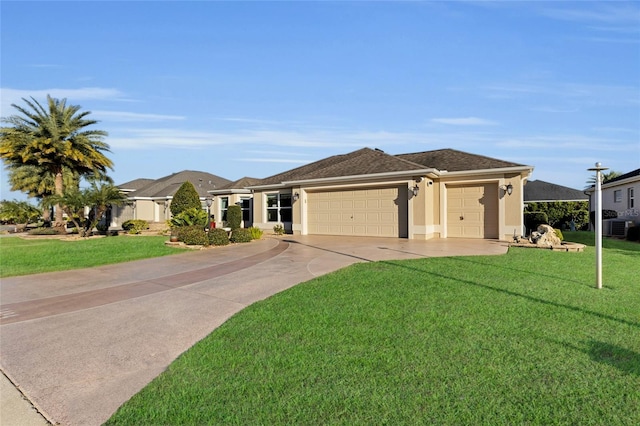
<point x="78" y="344"/>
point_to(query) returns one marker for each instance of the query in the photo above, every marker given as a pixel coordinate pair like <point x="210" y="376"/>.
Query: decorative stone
<point x="545" y="236"/>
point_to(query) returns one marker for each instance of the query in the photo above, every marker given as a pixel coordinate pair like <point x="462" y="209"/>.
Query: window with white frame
<point x="279" y="207"/>
<point x="630" y="198"/>
<point x="617" y="196"/>
<point x="224" y="206"/>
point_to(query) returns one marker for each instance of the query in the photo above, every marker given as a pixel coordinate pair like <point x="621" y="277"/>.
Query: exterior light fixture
<point x="414" y="191"/>
<point x="209" y="201"/>
<point x="598" y="208"/>
<point x="507" y="188"/>
<point x="296" y="197"/>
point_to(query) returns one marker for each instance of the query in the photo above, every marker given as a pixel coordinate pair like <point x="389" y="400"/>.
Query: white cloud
<point x="134" y="116"/>
<point x="466" y="121"/>
<point x="10" y="96"/>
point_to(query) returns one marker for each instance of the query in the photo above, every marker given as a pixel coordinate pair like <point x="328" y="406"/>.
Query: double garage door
<point x="472" y="211"/>
<point x="375" y="212"/>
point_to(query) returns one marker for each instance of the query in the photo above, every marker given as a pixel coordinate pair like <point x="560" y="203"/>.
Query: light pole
<point x="209" y="201"/>
<point x="598" y="194"/>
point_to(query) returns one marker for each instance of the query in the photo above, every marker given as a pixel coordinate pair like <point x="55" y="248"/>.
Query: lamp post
<point x="209" y="201"/>
<point x="598" y="194"/>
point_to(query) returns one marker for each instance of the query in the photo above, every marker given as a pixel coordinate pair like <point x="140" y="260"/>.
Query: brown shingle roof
<point x="240" y="183"/>
<point x="135" y="184"/>
<point x="168" y="185"/>
<point x="538" y="190"/>
<point x="361" y="162"/>
<point x="455" y="161"/>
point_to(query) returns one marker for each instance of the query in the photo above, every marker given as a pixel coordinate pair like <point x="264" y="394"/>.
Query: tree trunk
<point x="59" y="221"/>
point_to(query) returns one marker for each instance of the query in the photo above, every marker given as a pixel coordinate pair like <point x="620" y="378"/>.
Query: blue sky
<point x="255" y="88"/>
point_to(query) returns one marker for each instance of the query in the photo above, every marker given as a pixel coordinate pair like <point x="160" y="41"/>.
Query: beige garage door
<point x="380" y="212"/>
<point x="472" y="211"/>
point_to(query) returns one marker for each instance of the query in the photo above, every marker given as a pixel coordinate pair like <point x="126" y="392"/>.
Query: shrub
<point x="606" y="214"/>
<point x="218" y="237"/>
<point x="559" y="234"/>
<point x="234" y="217"/>
<point x="43" y="231"/>
<point x="256" y="233"/>
<point x="278" y="229"/>
<point x="240" y="235"/>
<point x="190" y="217"/>
<point x="633" y="233"/>
<point x="534" y="219"/>
<point x="135" y="226"/>
<point x="192" y="235"/>
<point x="186" y="197"/>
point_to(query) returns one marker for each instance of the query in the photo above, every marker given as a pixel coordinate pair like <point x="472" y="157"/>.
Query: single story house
<point x="434" y="194"/>
<point x="620" y="194"/>
<point x="149" y="199"/>
<point x="538" y="191"/>
<point x="233" y="193"/>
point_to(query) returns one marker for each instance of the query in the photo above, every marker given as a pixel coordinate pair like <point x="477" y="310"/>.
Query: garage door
<point x="472" y="211"/>
<point x="380" y="212"/>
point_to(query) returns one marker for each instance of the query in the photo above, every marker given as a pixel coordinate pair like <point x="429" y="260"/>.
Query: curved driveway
<point x="78" y="344"/>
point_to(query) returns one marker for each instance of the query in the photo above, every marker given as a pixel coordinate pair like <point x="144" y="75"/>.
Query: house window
<point x="279" y="208"/>
<point x="630" y="198"/>
<point x="224" y="206"/>
<point x="617" y="196"/>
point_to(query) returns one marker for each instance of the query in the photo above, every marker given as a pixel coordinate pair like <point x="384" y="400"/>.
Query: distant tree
<point x="606" y="177"/>
<point x="186" y="197"/>
<point x="18" y="212"/>
<point x="52" y="139"/>
<point x="100" y="197"/>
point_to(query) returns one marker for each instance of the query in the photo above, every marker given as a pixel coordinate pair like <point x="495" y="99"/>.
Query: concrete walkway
<point x="79" y="344"/>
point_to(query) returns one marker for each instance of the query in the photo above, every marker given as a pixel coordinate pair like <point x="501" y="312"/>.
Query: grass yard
<point x="31" y="256"/>
<point x="523" y="338"/>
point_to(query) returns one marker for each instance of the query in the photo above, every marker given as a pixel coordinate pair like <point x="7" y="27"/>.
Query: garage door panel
<point x="367" y="212"/>
<point x="472" y="211"/>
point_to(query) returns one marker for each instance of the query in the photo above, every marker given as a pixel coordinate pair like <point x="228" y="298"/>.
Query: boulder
<point x="545" y="236"/>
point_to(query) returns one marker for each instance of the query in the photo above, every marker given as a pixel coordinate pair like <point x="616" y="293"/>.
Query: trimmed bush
<point x="559" y="234"/>
<point x="633" y="233"/>
<point x="234" y="217"/>
<point x="240" y="235"/>
<point x="218" y="237"/>
<point x="256" y="233"/>
<point x="43" y="231"/>
<point x="192" y="235"/>
<point x="534" y="219"/>
<point x="135" y="226"/>
<point x="186" y="197"/>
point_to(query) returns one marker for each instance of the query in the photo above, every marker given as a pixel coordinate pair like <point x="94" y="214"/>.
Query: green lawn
<point x="523" y="338"/>
<point x="31" y="256"/>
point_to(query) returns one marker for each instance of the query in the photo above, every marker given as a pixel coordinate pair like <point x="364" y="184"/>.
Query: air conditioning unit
<point x="615" y="227"/>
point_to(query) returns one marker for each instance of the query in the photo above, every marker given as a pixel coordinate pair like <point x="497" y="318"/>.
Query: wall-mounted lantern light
<point x="296" y="197"/>
<point x="507" y="188"/>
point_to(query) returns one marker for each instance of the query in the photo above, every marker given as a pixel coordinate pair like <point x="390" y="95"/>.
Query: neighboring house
<point x="620" y="194"/>
<point x="230" y="194"/>
<point x="149" y="199"/>
<point x="435" y="194"/>
<point x="538" y="191"/>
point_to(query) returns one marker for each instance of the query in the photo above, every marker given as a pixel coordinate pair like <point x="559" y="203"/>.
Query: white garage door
<point x="472" y="211"/>
<point x="380" y="212"/>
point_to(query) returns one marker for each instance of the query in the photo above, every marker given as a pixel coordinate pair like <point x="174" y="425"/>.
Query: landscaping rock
<point x="545" y="236"/>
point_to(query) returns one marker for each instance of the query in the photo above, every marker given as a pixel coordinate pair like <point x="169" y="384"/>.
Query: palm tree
<point x="54" y="139"/>
<point x="18" y="212"/>
<point x="606" y="177"/>
<point x="101" y="196"/>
